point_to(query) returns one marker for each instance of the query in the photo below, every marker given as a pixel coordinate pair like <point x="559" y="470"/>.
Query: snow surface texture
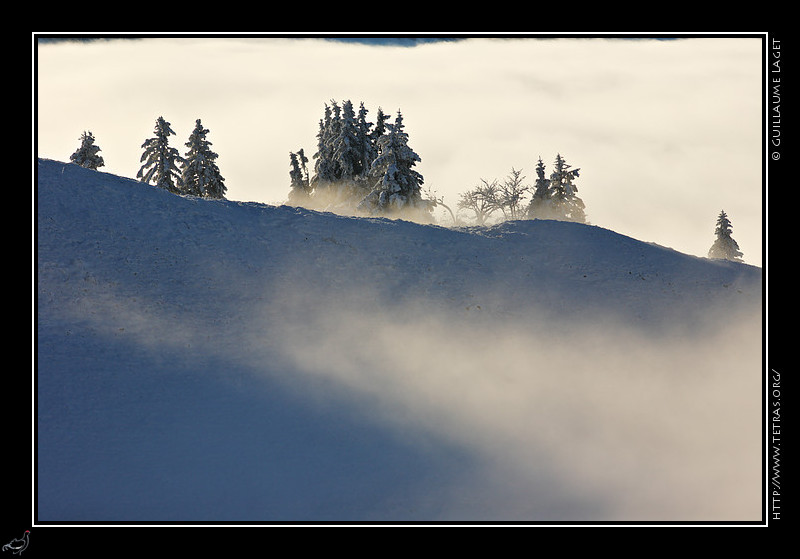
<point x="210" y="360"/>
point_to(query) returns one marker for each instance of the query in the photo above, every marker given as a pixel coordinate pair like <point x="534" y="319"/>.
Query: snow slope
<point x="216" y="361"/>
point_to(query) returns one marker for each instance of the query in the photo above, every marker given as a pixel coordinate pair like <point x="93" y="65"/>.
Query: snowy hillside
<point x="227" y="361"/>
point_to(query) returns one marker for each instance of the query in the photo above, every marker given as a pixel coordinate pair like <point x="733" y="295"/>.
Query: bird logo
<point x="17" y="546"/>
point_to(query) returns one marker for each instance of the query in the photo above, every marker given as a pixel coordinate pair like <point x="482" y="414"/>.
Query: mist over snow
<point x="220" y="360"/>
<point x="666" y="133"/>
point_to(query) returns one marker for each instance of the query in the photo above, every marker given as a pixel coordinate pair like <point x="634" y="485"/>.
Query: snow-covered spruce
<point x="200" y="175"/>
<point x="86" y="155"/>
<point x="724" y="245"/>
<point x="160" y="161"/>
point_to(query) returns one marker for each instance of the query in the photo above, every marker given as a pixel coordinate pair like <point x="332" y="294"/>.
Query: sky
<point x="666" y="133"/>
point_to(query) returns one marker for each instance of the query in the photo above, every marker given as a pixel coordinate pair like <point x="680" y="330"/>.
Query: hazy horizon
<point x="666" y="133"/>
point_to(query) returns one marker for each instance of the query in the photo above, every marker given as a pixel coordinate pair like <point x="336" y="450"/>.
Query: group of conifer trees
<point x="359" y="166"/>
<point x="195" y="174"/>
<point x="368" y="168"/>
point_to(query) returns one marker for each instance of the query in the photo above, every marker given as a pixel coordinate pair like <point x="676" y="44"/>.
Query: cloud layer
<point x="591" y="426"/>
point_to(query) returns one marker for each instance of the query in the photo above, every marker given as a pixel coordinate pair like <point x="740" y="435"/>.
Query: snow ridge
<point x="217" y="360"/>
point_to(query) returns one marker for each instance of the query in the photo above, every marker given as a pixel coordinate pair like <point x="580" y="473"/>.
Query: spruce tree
<point x="303" y="160"/>
<point x="724" y="246"/>
<point x="377" y="131"/>
<point x="160" y="160"/>
<point x="200" y="175"/>
<point x="540" y="204"/>
<point x="364" y="143"/>
<point x="300" y="192"/>
<point x="398" y="184"/>
<point x="334" y="126"/>
<point x="86" y="155"/>
<point x="345" y="151"/>
<point x="324" y="171"/>
<point x="567" y="204"/>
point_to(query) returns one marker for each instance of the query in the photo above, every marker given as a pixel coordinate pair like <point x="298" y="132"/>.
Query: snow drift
<point x="202" y="360"/>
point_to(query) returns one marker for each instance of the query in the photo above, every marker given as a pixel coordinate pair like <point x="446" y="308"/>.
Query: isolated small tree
<point x="481" y="200"/>
<point x="303" y="160"/>
<point x="724" y="246"/>
<point x="300" y="192"/>
<point x="160" y="160"/>
<point x="511" y="193"/>
<point x="540" y="205"/>
<point x="567" y="203"/>
<point x="86" y="155"/>
<point x="200" y="175"/>
<point x="435" y="201"/>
